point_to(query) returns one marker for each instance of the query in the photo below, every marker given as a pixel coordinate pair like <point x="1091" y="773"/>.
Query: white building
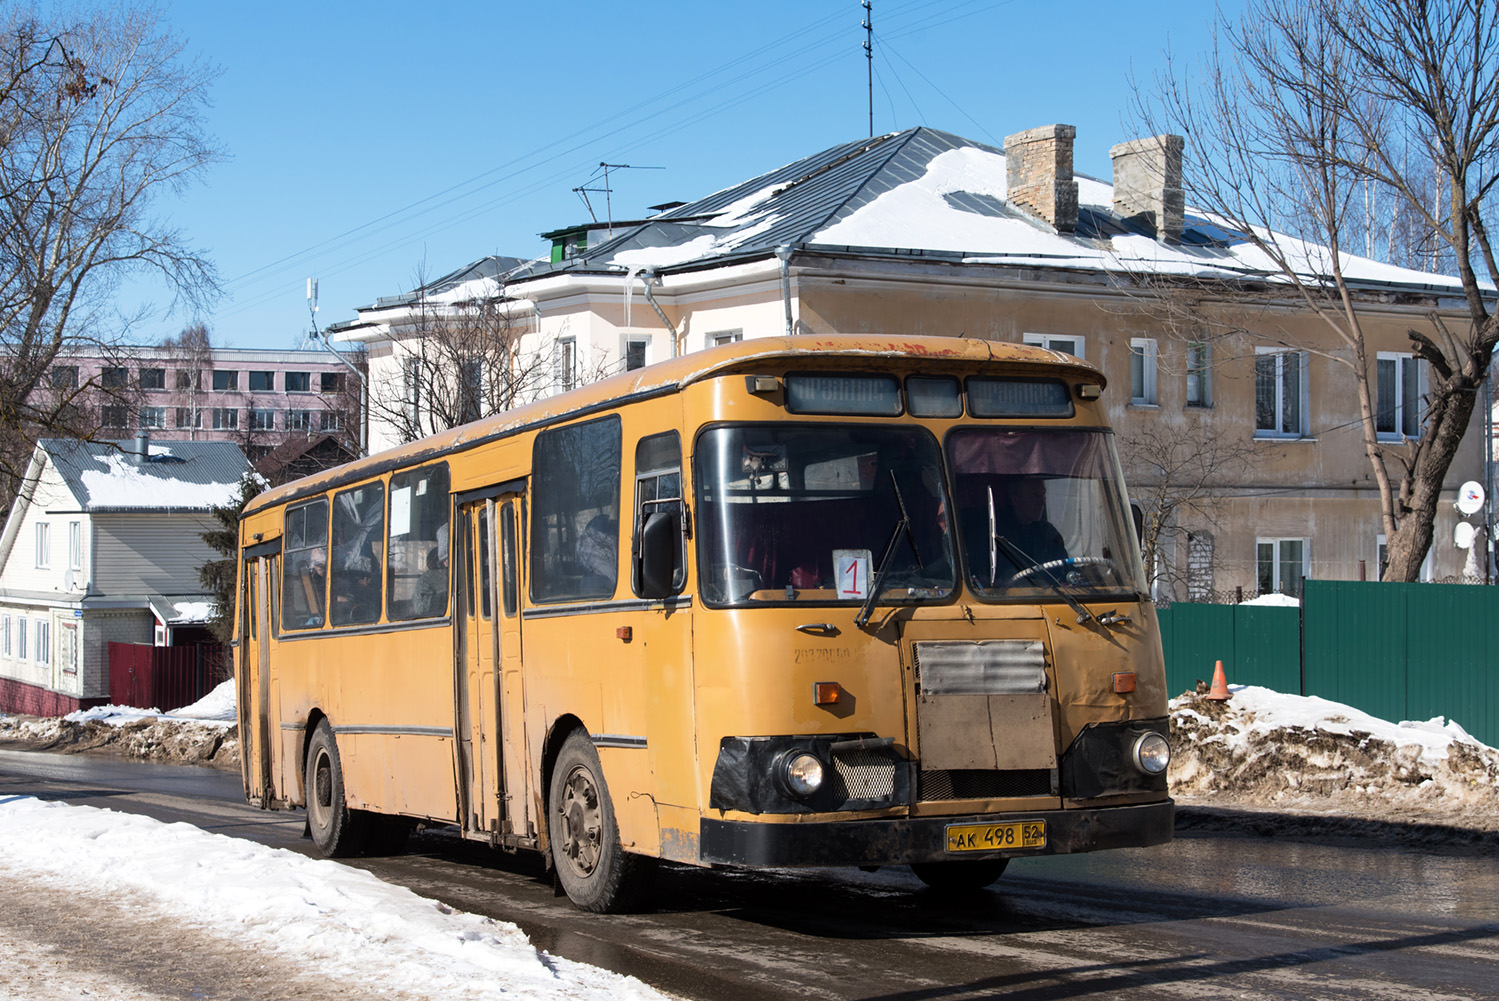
<point x="103" y="544"/>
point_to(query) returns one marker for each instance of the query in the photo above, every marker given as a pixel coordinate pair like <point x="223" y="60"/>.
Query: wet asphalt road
<point x="1215" y="914"/>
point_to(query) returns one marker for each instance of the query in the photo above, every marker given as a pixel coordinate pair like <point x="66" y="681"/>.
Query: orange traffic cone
<point x="1219" y="691"/>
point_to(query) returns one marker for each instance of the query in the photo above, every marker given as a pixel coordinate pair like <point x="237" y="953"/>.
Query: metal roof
<point x="177" y="476"/>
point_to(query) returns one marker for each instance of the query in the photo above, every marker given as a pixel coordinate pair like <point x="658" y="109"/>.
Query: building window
<point x="225" y="380"/>
<point x="262" y="420"/>
<point x="634" y="352"/>
<point x="189" y="379"/>
<point x="225" y="418"/>
<point x="470" y="389"/>
<point x="21" y="626"/>
<point x="64" y="376"/>
<point x="1280" y="393"/>
<point x="5" y="648"/>
<point x="114" y="378"/>
<point x="43" y="652"/>
<point x="43" y="545"/>
<point x="1067" y="343"/>
<point x="1199" y="374"/>
<point x="153" y="417"/>
<point x="331" y="382"/>
<point x="1382" y="560"/>
<point x="299" y="420"/>
<point x="411" y="392"/>
<point x="189" y="417"/>
<point x="153" y="378"/>
<point x="262" y="382"/>
<point x="1282" y="565"/>
<point x="1399" y="396"/>
<point x="298" y="382"/>
<point x="719" y="337"/>
<point x="331" y="420"/>
<point x="75" y="545"/>
<point x="566" y="364"/>
<point x="1142" y="371"/>
<point x="114" y="416"/>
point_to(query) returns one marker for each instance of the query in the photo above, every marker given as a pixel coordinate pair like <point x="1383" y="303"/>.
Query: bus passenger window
<point x="507" y="558"/>
<point x="358" y="538"/>
<point x="417" y="563"/>
<point x="658" y="490"/>
<point x="484" y="572"/>
<point x="575" y="522"/>
<point x="305" y="563"/>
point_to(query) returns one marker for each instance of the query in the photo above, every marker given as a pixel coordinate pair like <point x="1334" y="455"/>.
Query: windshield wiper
<point x="902" y="527"/>
<point x="1020" y="557"/>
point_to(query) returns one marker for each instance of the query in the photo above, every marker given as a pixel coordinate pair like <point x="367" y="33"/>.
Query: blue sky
<point x="365" y="139"/>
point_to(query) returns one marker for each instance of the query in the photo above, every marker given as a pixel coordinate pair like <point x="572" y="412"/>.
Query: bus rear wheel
<point x="592" y="866"/>
<point x="337" y="831"/>
<point x="957" y="877"/>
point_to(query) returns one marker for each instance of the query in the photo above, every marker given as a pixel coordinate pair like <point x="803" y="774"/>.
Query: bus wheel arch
<point x="337" y="830"/>
<point x="584" y="846"/>
<point x="314" y="717"/>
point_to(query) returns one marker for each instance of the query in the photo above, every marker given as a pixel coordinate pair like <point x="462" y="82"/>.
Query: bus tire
<point x="594" y="869"/>
<point x="957" y="877"/>
<point x="337" y="831"/>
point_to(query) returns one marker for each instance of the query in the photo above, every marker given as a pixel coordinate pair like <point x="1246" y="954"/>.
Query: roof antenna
<point x="869" y="58"/>
<point x="583" y="190"/>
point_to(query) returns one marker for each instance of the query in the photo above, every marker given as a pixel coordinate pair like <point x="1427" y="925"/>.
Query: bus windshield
<point x="807" y="513"/>
<point x="1042" y="510"/>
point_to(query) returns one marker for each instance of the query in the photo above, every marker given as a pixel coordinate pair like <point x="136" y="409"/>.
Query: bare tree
<point x="99" y="116"/>
<point x="342" y="396"/>
<point x="1308" y="111"/>
<point x="192" y="352"/>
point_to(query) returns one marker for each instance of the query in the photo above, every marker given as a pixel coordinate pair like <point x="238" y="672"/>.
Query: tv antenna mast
<point x="583" y="190"/>
<point x="869" y="58"/>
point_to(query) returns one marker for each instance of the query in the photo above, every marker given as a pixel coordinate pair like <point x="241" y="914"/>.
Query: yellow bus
<point x="833" y="601"/>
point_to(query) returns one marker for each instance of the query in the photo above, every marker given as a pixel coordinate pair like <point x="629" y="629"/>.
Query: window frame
<point x="1402" y="360"/>
<point x="153" y="379"/>
<point x="1278" y="586"/>
<point x="718" y="338"/>
<point x="1145" y="394"/>
<point x="262" y="419"/>
<point x="1202" y="371"/>
<point x="627" y="342"/>
<point x="44" y="545"/>
<point x="152" y="418"/>
<point x="1050" y="342"/>
<point x="226" y="380"/>
<point x="75" y="545"/>
<point x="302" y="380"/>
<point x="655" y="475"/>
<point x="554" y="529"/>
<point x="1279" y="405"/>
<point x="261" y="380"/>
<point x="226" y="418"/>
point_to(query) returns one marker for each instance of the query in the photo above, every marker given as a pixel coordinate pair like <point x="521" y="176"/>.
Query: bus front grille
<point x="973" y="783"/>
<point x="862" y="775"/>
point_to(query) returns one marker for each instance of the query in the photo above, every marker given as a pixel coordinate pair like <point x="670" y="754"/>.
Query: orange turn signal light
<point x="1124" y="683"/>
<point x="625" y="633"/>
<point x="827" y="693"/>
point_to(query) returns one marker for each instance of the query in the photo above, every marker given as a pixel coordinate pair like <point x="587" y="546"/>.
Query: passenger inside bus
<point x="1024" y="537"/>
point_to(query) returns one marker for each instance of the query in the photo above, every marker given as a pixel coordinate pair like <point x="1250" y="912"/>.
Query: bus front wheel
<point x="337" y="831"/>
<point x="593" y="867"/>
<point x="956" y="877"/>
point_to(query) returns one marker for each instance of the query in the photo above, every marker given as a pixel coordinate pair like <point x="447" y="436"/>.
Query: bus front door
<point x="258" y="710"/>
<point x="490" y="695"/>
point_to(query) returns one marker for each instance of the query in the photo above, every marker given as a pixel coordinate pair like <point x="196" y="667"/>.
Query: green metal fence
<point x="1397" y="651"/>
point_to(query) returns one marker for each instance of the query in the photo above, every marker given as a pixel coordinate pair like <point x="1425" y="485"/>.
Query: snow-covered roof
<point x="927" y="193"/>
<point x="175" y="476"/>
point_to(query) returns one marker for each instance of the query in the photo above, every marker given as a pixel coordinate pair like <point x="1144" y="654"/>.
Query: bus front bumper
<point x="924" y="839"/>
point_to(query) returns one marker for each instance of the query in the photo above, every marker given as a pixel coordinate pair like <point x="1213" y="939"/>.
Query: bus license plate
<point x="995" y="837"/>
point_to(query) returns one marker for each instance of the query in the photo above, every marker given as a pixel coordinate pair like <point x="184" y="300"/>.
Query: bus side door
<point x="259" y="721"/>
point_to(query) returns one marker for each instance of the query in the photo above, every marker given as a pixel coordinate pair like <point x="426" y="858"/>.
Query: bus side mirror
<point x="1139" y="515"/>
<point x="658" y="554"/>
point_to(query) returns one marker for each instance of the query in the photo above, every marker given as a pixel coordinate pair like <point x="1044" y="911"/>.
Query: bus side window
<point x="483" y="564"/>
<point x="358" y="538"/>
<point x="507" y="558"/>
<point x="575" y="512"/>
<point x="658" y="490"/>
<point x="416" y="564"/>
<point x="305" y="565"/>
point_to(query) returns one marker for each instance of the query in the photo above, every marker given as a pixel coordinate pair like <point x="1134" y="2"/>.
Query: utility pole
<point x="869" y="58"/>
<point x="364" y="388"/>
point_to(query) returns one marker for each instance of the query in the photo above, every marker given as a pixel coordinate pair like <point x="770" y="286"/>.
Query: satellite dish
<point x="1469" y="498"/>
<point x="1462" y="535"/>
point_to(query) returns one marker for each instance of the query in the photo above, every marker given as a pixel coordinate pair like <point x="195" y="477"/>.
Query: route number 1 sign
<point x="851" y="569"/>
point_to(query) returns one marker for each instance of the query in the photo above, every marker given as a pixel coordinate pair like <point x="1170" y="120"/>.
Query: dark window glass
<point x="262" y="420"/>
<point x="187" y="417"/>
<point x="153" y="378"/>
<point x="114" y="416"/>
<point x="934" y="396"/>
<point x="64" y="376"/>
<point x="834" y="393"/>
<point x="114" y="378"/>
<point x="658" y="487"/>
<point x="358" y="537"/>
<point x="305" y="566"/>
<point x="989" y="397"/>
<point x="331" y="382"/>
<point x="298" y="382"/>
<point x="262" y="382"/>
<point x="417" y="564"/>
<point x="634" y="355"/>
<point x="508" y="591"/>
<point x="189" y="379"/>
<point x="484" y="563"/>
<point x="225" y="380"/>
<point x="575" y="525"/>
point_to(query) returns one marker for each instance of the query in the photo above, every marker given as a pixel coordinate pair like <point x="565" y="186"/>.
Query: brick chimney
<point x="1039" y="174"/>
<point x="1148" y="184"/>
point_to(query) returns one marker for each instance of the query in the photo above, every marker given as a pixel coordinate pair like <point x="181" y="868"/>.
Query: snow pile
<point x="1263" y="748"/>
<point x="1275" y="600"/>
<point x="354" y="929"/>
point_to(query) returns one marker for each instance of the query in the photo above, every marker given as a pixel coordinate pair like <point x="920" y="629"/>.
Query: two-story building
<point x="103" y="544"/>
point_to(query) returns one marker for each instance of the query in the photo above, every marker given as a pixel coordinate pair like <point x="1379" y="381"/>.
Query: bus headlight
<point x="800" y="773"/>
<point x="1152" y="753"/>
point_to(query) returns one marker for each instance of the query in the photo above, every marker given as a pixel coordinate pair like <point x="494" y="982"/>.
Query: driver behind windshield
<point x="1020" y="520"/>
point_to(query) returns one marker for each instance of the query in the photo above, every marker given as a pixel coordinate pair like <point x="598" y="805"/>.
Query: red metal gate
<point x="162" y="677"/>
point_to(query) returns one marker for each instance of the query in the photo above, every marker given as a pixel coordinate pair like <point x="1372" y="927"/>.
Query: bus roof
<point x="684" y="370"/>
